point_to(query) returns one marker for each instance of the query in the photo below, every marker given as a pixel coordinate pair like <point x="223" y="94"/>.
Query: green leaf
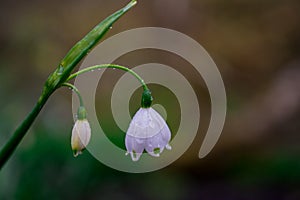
<point x="81" y="49"/>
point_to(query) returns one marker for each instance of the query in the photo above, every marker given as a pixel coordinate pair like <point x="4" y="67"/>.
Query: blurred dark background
<point x="256" y="46"/>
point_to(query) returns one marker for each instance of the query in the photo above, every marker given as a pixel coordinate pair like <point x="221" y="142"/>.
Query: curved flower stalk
<point x="81" y="132"/>
<point x="147" y="131"/>
<point x="60" y="76"/>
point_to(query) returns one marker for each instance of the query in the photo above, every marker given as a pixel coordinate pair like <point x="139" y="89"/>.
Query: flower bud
<point x="81" y="133"/>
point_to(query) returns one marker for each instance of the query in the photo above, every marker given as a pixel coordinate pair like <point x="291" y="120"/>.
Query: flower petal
<point x="145" y="123"/>
<point x="81" y="134"/>
<point x="155" y="145"/>
<point x="149" y="131"/>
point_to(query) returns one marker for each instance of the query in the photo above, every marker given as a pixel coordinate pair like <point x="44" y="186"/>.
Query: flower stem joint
<point x="146" y="99"/>
<point x="81" y="113"/>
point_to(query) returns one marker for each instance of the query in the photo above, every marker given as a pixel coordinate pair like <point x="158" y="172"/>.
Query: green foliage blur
<point x="254" y="43"/>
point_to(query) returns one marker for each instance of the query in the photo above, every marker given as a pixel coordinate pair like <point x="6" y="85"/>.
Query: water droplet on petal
<point x="168" y="147"/>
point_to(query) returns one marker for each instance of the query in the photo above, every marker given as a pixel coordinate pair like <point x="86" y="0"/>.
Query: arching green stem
<point x="69" y="85"/>
<point x="81" y="112"/>
<point x="109" y="66"/>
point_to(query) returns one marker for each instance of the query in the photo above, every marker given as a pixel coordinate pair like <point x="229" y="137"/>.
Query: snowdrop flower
<point x="81" y="132"/>
<point x="147" y="131"/>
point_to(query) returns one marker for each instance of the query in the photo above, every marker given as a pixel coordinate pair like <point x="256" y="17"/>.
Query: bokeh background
<point x="256" y="46"/>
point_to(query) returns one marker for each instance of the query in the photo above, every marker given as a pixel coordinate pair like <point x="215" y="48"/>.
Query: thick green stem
<point x="18" y="135"/>
<point x="109" y="66"/>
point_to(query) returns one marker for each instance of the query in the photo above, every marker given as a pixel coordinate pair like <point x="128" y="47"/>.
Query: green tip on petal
<point x="76" y="153"/>
<point x="156" y="151"/>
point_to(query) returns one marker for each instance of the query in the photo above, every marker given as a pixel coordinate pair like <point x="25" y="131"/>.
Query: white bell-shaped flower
<point x="147" y="131"/>
<point x="81" y="133"/>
